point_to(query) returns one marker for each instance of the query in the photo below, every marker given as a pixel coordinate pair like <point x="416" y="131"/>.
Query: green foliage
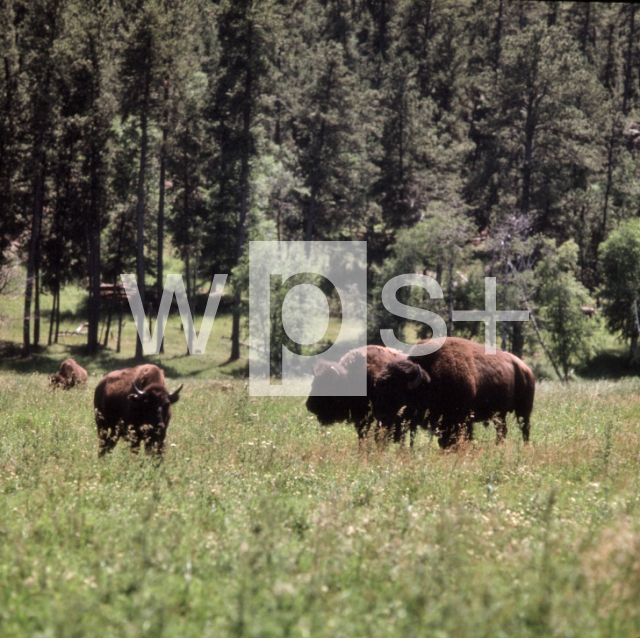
<point x="331" y="120"/>
<point x="620" y="259"/>
<point x="560" y="297"/>
<point x="436" y="246"/>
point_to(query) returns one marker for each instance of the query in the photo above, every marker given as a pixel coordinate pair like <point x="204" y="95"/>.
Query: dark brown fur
<point x="329" y="377"/>
<point x="121" y="412"/>
<point x="70" y="374"/>
<point x="454" y="387"/>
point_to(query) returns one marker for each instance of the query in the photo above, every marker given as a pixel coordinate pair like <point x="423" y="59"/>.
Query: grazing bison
<point x="448" y="390"/>
<point x="331" y="378"/>
<point x="134" y="404"/>
<point x="70" y="374"/>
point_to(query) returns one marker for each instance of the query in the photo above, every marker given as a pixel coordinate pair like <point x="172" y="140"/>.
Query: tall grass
<point x="261" y="523"/>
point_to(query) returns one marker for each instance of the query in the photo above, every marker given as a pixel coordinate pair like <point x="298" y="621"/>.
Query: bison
<point x="70" y="374"/>
<point x="450" y="389"/>
<point x="331" y="378"/>
<point x="135" y="404"/>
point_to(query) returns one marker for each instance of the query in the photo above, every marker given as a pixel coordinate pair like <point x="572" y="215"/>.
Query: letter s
<point x="399" y="309"/>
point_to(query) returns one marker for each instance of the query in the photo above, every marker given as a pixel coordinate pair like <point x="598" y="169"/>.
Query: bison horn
<point x="176" y="392"/>
<point x="138" y="392"/>
<point x="418" y="380"/>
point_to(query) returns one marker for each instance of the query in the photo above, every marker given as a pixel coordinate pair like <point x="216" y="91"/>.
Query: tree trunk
<point x="57" y="313"/>
<point x="141" y="203"/>
<point x="628" y="67"/>
<point x="498" y="37"/>
<point x="95" y="224"/>
<point x="94" y="255"/>
<point x="312" y="211"/>
<point x="36" y="305"/>
<point x="190" y="242"/>
<point x="38" y="203"/>
<point x="52" y="317"/>
<point x="527" y="167"/>
<point x="585" y="28"/>
<point x="315" y="186"/>
<point x="189" y="333"/>
<point x="506" y="283"/>
<point x="244" y="189"/>
<point x="108" y="327"/>
<point x="607" y="192"/>
<point x="517" y="343"/>
<point x="119" y="327"/>
<point x="163" y="172"/>
<point x="450" y="318"/>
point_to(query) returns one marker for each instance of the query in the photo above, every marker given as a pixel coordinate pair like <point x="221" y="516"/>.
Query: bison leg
<point x="500" y="421"/>
<point x="135" y="438"/>
<point x="450" y="434"/>
<point x="446" y="438"/>
<point x="107" y="435"/>
<point x="400" y="431"/>
<point x="469" y="430"/>
<point x="154" y="442"/>
<point x="107" y="440"/>
<point x="412" y="434"/>
<point x="526" y="428"/>
<point x="382" y="434"/>
<point x="363" y="427"/>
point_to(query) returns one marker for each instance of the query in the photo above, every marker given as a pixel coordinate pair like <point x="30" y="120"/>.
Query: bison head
<point x="330" y="379"/>
<point x="152" y="406"/>
<point x="401" y="384"/>
<point x="57" y="380"/>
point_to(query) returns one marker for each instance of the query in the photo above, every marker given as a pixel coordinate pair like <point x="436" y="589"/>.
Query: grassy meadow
<point x="260" y="523"/>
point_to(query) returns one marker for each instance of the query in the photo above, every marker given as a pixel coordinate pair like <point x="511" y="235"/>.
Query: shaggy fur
<point x="330" y="377"/>
<point x="450" y="389"/>
<point x="70" y="374"/>
<point x="121" y="412"/>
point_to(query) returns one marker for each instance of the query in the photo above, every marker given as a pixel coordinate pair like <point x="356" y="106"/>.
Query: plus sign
<point x="490" y="315"/>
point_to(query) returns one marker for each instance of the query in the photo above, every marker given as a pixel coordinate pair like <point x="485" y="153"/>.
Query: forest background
<point x="459" y="139"/>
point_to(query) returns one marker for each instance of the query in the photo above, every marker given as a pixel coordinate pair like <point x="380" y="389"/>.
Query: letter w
<point x="173" y="285"/>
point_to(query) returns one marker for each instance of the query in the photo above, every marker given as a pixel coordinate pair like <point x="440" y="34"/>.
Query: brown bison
<point x="70" y="374"/>
<point x="450" y="389"/>
<point x="134" y="404"/>
<point x="331" y="378"/>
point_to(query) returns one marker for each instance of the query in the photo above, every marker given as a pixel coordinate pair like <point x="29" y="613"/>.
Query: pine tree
<point x="561" y="297"/>
<point x="42" y="25"/>
<point x="620" y="259"/>
<point x="142" y="87"/>
<point x="246" y="33"/>
<point x="12" y="104"/>
<point x="540" y="105"/>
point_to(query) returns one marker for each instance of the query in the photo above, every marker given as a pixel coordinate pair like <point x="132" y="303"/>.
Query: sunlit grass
<point x="261" y="523"/>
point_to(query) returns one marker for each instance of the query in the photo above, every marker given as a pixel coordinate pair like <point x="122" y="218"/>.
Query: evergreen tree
<point x="620" y="259"/>
<point x="90" y="104"/>
<point x="544" y="144"/>
<point x="561" y="298"/>
<point x="12" y="104"/>
<point x="42" y="24"/>
<point x="246" y="33"/>
<point x="142" y="87"/>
